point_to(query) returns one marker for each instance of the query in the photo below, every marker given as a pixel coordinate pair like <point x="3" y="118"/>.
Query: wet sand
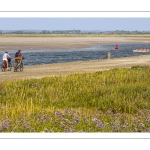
<point x="52" y="43"/>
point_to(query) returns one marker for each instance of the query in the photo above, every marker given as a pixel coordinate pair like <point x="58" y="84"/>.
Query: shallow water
<point x="37" y="57"/>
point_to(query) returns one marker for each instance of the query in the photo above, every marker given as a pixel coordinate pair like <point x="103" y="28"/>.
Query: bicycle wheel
<point x="21" y="67"/>
<point x="9" y="66"/>
<point x="3" y="67"/>
<point x="15" y="69"/>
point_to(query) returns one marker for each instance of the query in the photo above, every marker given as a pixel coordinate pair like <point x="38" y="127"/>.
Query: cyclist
<point x="18" y="58"/>
<point x="6" y="58"/>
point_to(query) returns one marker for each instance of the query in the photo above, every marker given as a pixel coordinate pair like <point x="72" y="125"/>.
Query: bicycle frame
<point x="19" y="66"/>
<point x="4" y="65"/>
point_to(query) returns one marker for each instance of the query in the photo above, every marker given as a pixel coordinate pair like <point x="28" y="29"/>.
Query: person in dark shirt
<point x="18" y="58"/>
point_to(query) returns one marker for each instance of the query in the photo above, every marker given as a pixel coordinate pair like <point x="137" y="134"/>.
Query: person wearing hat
<point x="6" y="57"/>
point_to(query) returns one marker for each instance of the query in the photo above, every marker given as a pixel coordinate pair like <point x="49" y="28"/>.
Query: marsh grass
<point x="117" y="100"/>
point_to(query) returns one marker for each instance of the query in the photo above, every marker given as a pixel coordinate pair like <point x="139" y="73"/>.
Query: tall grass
<point x="117" y="100"/>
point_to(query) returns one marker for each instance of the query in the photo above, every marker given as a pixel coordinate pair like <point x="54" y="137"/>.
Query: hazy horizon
<point x="74" y="29"/>
<point x="84" y="24"/>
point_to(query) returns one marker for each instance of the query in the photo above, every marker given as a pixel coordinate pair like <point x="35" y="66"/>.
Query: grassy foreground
<point x="117" y="100"/>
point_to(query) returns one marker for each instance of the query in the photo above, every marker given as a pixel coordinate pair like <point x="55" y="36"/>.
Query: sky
<point x="103" y="24"/>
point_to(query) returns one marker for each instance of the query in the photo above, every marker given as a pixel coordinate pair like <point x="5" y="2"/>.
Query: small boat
<point x="141" y="50"/>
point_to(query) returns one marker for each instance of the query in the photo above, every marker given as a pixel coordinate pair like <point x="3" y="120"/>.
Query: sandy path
<point x="73" y="67"/>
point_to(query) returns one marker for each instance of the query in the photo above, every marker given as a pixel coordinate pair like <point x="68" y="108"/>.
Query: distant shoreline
<point x="75" y="35"/>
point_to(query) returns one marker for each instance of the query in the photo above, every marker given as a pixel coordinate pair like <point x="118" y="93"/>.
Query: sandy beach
<point x="52" y="43"/>
<point x="73" y="67"/>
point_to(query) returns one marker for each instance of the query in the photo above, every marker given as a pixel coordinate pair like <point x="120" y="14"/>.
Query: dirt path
<point x="74" y="67"/>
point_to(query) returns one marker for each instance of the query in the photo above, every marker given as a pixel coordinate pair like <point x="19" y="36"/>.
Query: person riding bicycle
<point x="18" y="58"/>
<point x="6" y="58"/>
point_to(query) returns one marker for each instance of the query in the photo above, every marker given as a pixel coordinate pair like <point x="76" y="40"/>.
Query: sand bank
<point x="38" y="43"/>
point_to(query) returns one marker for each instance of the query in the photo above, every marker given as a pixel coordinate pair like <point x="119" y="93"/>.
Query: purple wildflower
<point x="116" y="127"/>
<point x="140" y="112"/>
<point x="148" y="120"/>
<point x="59" y="114"/>
<point x="148" y="130"/>
<point x="99" y="123"/>
<point x="141" y="125"/>
<point x="109" y="111"/>
<point x="76" y="119"/>
<point x="4" y="125"/>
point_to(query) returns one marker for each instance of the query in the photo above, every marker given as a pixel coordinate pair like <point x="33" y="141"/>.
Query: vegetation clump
<point x="117" y="100"/>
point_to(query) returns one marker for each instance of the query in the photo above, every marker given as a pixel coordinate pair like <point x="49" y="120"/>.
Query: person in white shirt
<point x="6" y="57"/>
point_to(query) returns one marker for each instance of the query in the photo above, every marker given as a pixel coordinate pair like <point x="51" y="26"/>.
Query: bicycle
<point x="19" y="67"/>
<point x="4" y="65"/>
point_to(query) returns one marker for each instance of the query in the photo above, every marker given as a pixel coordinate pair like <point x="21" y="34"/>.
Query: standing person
<point x="18" y="58"/>
<point x="5" y="58"/>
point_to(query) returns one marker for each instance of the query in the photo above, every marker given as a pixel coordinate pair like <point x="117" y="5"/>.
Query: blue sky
<point x="130" y="24"/>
